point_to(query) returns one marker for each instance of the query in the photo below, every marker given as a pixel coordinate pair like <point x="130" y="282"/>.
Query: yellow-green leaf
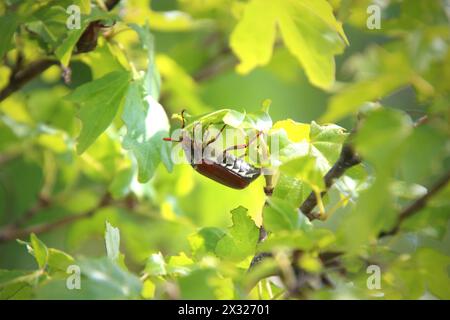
<point x="308" y="28"/>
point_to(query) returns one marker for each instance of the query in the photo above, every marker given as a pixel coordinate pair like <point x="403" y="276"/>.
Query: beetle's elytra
<point x="232" y="171"/>
<point x="226" y="169"/>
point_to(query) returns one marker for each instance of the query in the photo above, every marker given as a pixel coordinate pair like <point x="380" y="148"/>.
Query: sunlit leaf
<point x="156" y="265"/>
<point x="147" y="125"/>
<point x="40" y="251"/>
<point x="280" y="215"/>
<point x="240" y="241"/>
<point x="309" y="30"/>
<point x="112" y="241"/>
<point x="101" y="279"/>
<point x="8" y="25"/>
<point x="100" y="101"/>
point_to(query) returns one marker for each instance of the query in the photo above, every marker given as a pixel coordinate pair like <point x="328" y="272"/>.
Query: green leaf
<point x="148" y="290"/>
<point x="292" y="239"/>
<point x="85" y="6"/>
<point x="112" y="241"/>
<point x="120" y="186"/>
<point x="59" y="260"/>
<point x="9" y="277"/>
<point x="327" y="139"/>
<point x="240" y="240"/>
<point x="152" y="78"/>
<point x="180" y="264"/>
<point x="99" y="99"/>
<point x="156" y="265"/>
<point x="295" y="131"/>
<point x="205" y="240"/>
<point x="417" y="163"/>
<point x="382" y="146"/>
<point x="147" y="125"/>
<point x="24" y="180"/>
<point x="197" y="285"/>
<point x="8" y="25"/>
<point x="55" y="259"/>
<point x="350" y="99"/>
<point x="308" y="28"/>
<point x="322" y="142"/>
<point x="434" y="268"/>
<point x="229" y="117"/>
<point x="410" y="276"/>
<point x="40" y="251"/>
<point x="307" y="239"/>
<point x="431" y="220"/>
<point x="280" y="215"/>
<point x="64" y="51"/>
<point x="291" y="190"/>
<point x="181" y="88"/>
<point x="306" y="169"/>
<point x="395" y="73"/>
<point x="101" y="279"/>
<point x="368" y="217"/>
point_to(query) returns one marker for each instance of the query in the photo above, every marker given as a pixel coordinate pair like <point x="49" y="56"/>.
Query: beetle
<point x="226" y="169"/>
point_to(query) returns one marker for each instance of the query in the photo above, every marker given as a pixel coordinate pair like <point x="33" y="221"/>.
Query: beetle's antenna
<point x="183" y="120"/>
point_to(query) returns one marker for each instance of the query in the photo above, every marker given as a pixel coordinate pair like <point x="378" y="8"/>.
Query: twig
<point x="42" y="203"/>
<point x="20" y="76"/>
<point x="347" y="159"/>
<point x="417" y="205"/>
<point x="12" y="231"/>
<point x="223" y="61"/>
<point x="268" y="191"/>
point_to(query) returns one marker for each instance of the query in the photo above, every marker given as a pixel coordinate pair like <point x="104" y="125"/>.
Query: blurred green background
<point x="38" y="127"/>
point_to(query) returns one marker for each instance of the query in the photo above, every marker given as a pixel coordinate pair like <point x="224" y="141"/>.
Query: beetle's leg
<point x="216" y="137"/>
<point x="206" y="134"/>
<point x="193" y="130"/>
<point x="173" y="140"/>
<point x="183" y="120"/>
<point x="242" y="146"/>
<point x="194" y="145"/>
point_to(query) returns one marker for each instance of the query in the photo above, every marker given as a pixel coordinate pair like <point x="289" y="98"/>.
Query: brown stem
<point x="223" y="61"/>
<point x="220" y="64"/>
<point x="20" y="77"/>
<point x="41" y="204"/>
<point x="347" y="159"/>
<point x="417" y="205"/>
<point x="12" y="232"/>
<point x="268" y="191"/>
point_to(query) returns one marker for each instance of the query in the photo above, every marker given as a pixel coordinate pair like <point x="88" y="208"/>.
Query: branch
<point x="20" y="76"/>
<point x="347" y="159"/>
<point x="268" y="191"/>
<point x="417" y="205"/>
<point x="12" y="231"/>
<point x="41" y="204"/>
<point x="223" y="61"/>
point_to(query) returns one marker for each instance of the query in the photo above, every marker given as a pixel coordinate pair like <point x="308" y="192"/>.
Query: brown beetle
<point x="226" y="169"/>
